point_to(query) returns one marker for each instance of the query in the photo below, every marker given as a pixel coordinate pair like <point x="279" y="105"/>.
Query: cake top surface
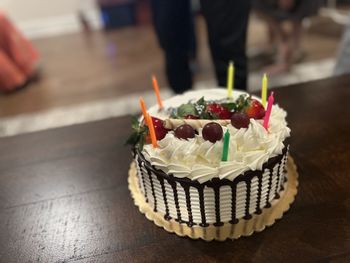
<point x="216" y="94"/>
<point x="197" y="155"/>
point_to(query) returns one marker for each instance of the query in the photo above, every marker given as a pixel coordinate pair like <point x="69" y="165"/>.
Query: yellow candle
<point x="264" y="90"/>
<point x="230" y="76"/>
<point x="152" y="132"/>
<point x="156" y="90"/>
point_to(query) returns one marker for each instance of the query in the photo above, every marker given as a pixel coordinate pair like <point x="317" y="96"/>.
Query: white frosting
<point x="200" y="160"/>
<point x="209" y="197"/>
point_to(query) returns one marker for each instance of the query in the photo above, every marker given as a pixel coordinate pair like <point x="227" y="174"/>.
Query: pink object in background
<point x="18" y="57"/>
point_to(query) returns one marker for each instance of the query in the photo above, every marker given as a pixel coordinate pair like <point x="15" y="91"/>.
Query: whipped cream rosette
<point x="249" y="149"/>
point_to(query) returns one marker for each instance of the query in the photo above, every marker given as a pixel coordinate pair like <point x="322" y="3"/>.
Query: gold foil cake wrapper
<point x="243" y="227"/>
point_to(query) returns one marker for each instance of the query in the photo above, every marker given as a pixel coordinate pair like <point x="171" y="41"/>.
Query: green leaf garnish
<point x="186" y="109"/>
<point x="173" y="113"/>
<point x="199" y="108"/>
<point x="242" y="102"/>
<point x="135" y="125"/>
<point x="138" y="136"/>
<point x="231" y="106"/>
<point x="133" y="139"/>
<point x="208" y="116"/>
<point x="201" y="101"/>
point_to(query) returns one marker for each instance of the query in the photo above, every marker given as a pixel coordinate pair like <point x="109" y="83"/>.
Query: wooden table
<point x="64" y="194"/>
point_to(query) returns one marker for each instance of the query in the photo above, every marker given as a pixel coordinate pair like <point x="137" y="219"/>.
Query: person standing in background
<point x="287" y="41"/>
<point x="226" y="21"/>
<point x="342" y="65"/>
<point x="18" y="58"/>
<point x="173" y="22"/>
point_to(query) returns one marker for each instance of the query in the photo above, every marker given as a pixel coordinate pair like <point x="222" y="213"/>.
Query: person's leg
<point x="284" y="51"/>
<point x="172" y="22"/>
<point x="289" y="48"/>
<point x="192" y="38"/>
<point x="295" y="41"/>
<point x="283" y="55"/>
<point x="275" y="32"/>
<point x="272" y="36"/>
<point x="227" y="22"/>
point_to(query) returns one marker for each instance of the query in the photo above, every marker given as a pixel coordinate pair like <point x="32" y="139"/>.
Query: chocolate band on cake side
<point x="213" y="202"/>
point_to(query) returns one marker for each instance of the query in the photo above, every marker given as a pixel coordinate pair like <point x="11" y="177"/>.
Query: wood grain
<point x="64" y="196"/>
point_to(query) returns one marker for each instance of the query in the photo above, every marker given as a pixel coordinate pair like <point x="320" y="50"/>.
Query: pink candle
<point x="268" y="111"/>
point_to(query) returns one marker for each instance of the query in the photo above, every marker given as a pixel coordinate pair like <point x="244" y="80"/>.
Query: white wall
<point x="38" y="18"/>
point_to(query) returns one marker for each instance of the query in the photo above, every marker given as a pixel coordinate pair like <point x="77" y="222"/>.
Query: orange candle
<point x="143" y="108"/>
<point x="156" y="90"/>
<point x="151" y="130"/>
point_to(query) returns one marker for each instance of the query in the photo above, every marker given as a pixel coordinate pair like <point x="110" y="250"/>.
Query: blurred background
<point x="92" y="59"/>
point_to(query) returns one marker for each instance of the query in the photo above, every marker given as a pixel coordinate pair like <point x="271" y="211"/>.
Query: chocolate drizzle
<point x="201" y="205"/>
<point x="138" y="164"/>
<point x="247" y="201"/>
<point x="233" y="220"/>
<point x="282" y="187"/>
<point x="283" y="177"/>
<point x="267" y="204"/>
<point x="152" y="188"/>
<point x="188" y="204"/>
<point x="277" y="195"/>
<point x="143" y="180"/>
<point x="217" y="204"/>
<point x="258" y="199"/>
<point x="176" y="200"/>
<point x="214" y="184"/>
<point x="161" y="181"/>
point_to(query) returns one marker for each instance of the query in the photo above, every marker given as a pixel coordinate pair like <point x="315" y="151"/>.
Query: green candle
<point x="226" y="145"/>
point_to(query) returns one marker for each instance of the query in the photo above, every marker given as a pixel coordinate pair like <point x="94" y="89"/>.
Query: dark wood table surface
<point x="64" y="194"/>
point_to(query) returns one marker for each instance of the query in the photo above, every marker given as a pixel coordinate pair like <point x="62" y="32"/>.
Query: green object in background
<point x="226" y="145"/>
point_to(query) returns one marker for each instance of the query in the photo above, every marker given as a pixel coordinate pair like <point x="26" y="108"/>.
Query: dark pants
<point x="173" y="22"/>
<point x="227" y="25"/>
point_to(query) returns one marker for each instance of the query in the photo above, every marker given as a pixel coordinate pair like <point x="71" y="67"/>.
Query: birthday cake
<point x="205" y="161"/>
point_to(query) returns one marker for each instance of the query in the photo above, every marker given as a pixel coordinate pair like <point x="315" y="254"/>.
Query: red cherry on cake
<point x="220" y="111"/>
<point x="255" y="110"/>
<point x="157" y="122"/>
<point x="184" y="131"/>
<point x="240" y="120"/>
<point x="159" y="128"/>
<point x="212" y="132"/>
<point x="190" y="116"/>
